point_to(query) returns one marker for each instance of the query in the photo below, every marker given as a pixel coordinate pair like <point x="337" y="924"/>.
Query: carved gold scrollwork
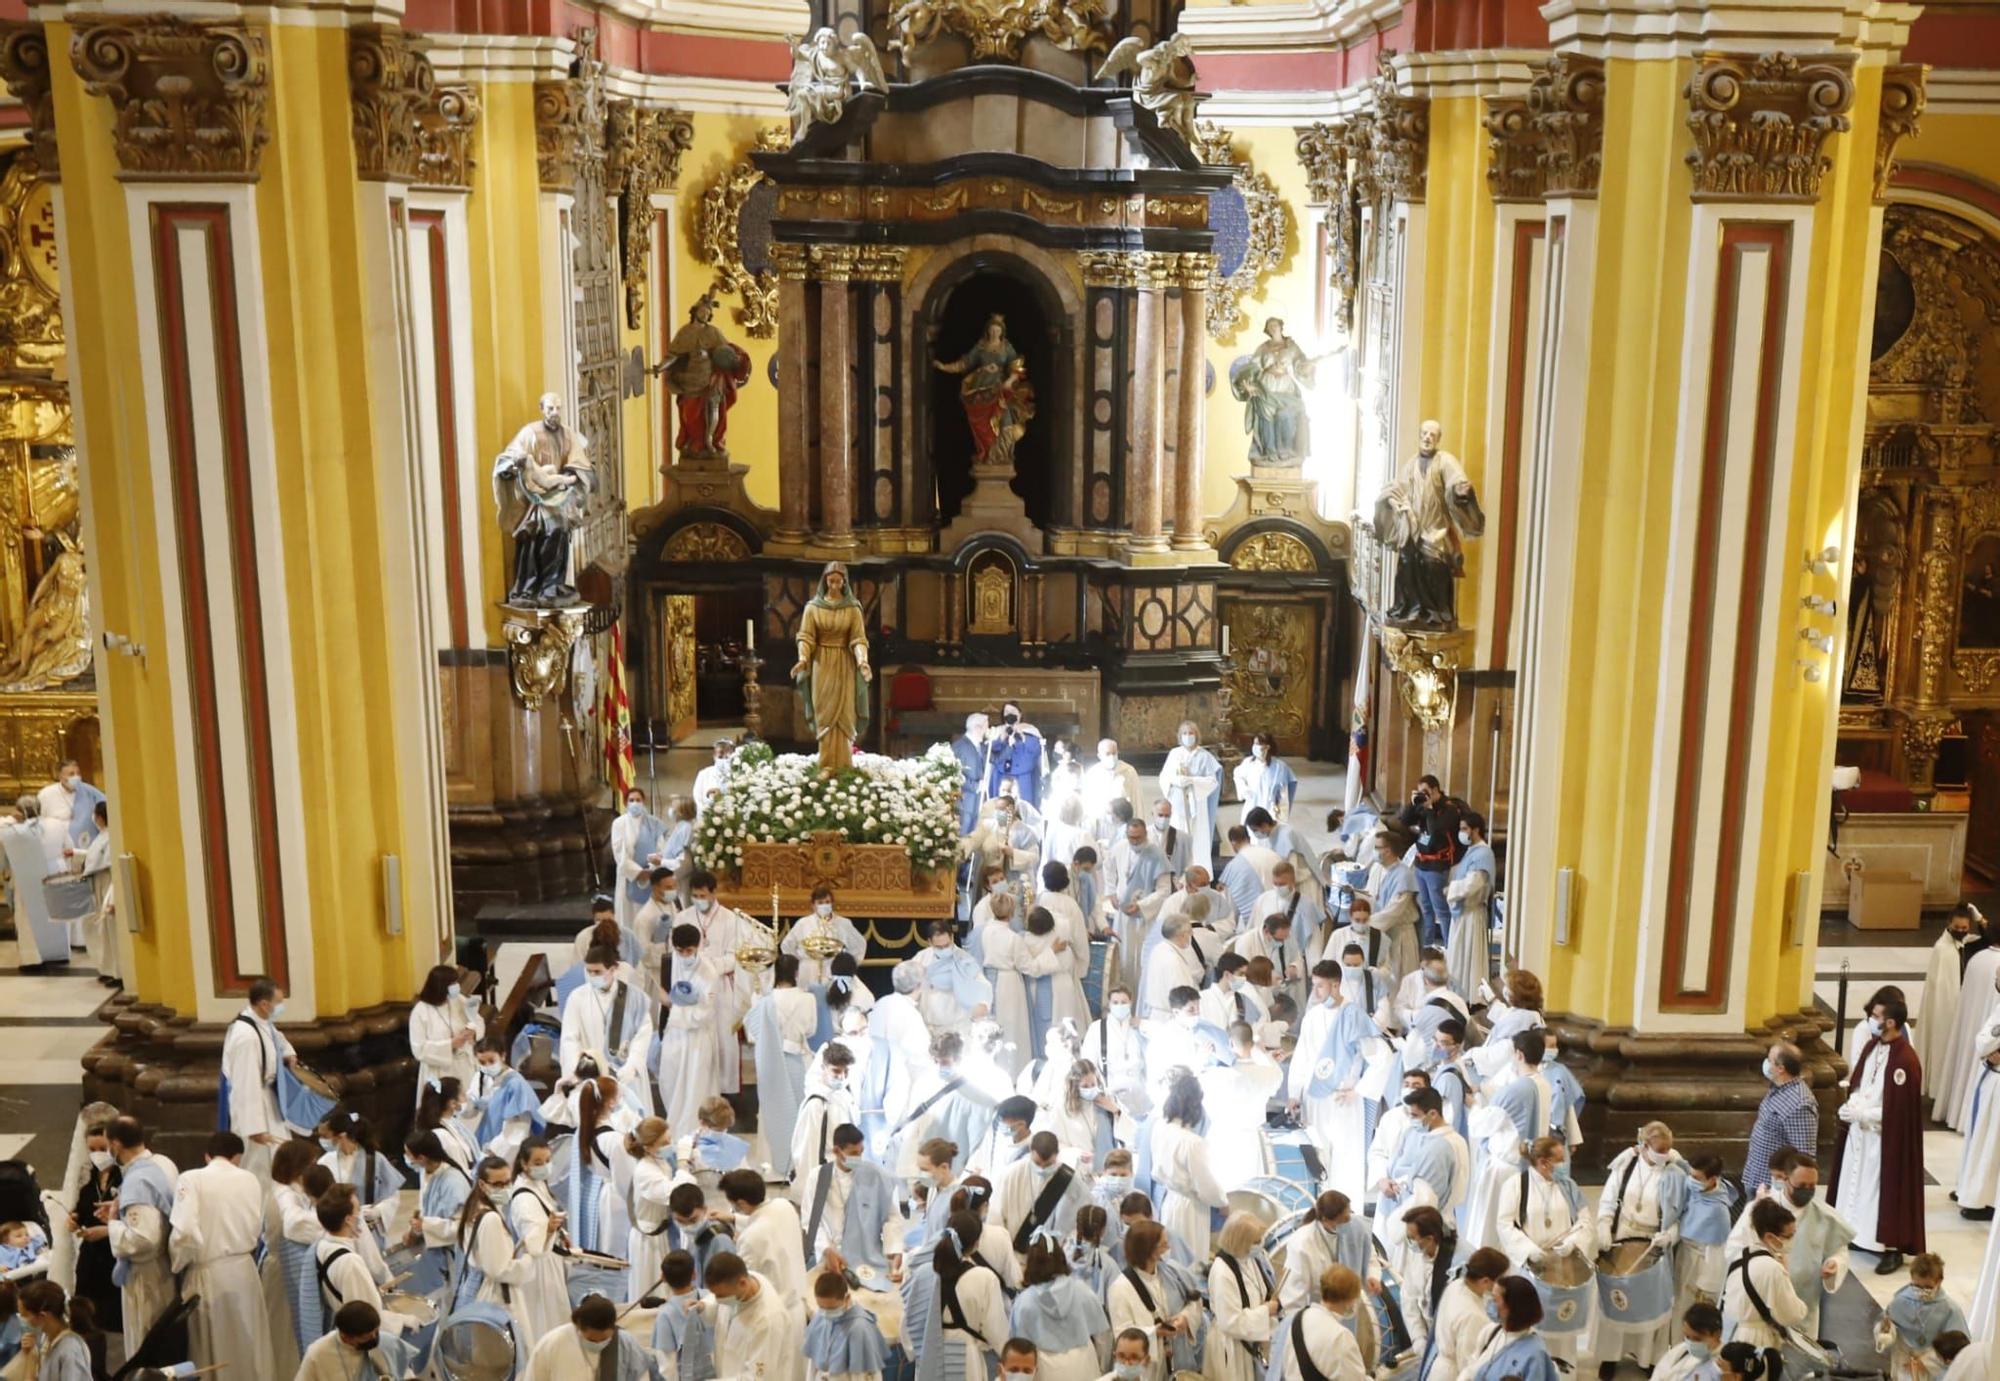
<point x="1760" y="123"/>
<point x="1426" y="673"/>
<point x="1270" y="226"/>
<point x="1324" y="150"/>
<point x="989" y="595"/>
<point x="997" y="29"/>
<point x="1271" y="676"/>
<point x="24" y="62"/>
<point x="643" y="157"/>
<point x="1514" y="170"/>
<point x="407" y="128"/>
<point x="1273" y="551"/>
<point x="538" y="650"/>
<point x="1976" y="669"/>
<point x="717" y="241"/>
<point x="706" y="542"/>
<point x="189" y="96"/>
<point x="1399" y="136"/>
<point x="1903" y="97"/>
<point x="1566" y="107"/>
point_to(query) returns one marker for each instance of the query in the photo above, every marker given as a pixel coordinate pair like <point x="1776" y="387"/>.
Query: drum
<point x="478" y="1343"/>
<point x="1635" y="1283"/>
<point x="1352" y="877"/>
<point x="593" y="1278"/>
<point x="1567" y="1286"/>
<point x="423" y="1314"/>
<point x="69" y="898"/>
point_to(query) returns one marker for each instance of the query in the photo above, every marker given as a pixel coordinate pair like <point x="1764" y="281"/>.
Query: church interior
<point x="460" y="459"/>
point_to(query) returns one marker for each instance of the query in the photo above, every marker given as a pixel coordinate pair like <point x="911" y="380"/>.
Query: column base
<point x="166" y="1070"/>
<point x="832" y="546"/>
<point x="1705" y="1087"/>
<point x="1149" y="551"/>
<point x="1195" y="549"/>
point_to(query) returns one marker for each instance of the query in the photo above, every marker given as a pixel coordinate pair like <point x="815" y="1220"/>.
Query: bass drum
<point x="478" y="1343"/>
<point x="1281" y="1204"/>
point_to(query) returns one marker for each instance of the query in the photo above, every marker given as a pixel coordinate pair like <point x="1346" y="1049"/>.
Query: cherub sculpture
<point x="1163" y="80"/>
<point x="823" y="67"/>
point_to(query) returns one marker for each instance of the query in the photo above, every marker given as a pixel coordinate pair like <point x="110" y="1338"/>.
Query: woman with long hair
<point x="433" y="1227"/>
<point x="297" y="1181"/>
<point x="1513" y="1349"/>
<point x="492" y="1268"/>
<point x="67" y="1345"/>
<point x="441" y="1108"/>
<point x="445" y="1025"/>
<point x="1089" y="1260"/>
<point x="994" y="1247"/>
<point x="590" y="1171"/>
<point x="1084" y="1117"/>
<point x="1745" y="1362"/>
<point x="96" y="1183"/>
<point x="537" y="1225"/>
<point x="1243" y="1292"/>
<point x="354" y="1158"/>
<point x="1061" y="1313"/>
<point x="1182" y="1173"/>
<point x="1153" y="1293"/>
<point x="1264" y="780"/>
<point x="967" y="1320"/>
<point x="652" y="1150"/>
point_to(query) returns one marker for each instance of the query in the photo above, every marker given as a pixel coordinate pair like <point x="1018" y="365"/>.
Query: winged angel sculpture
<point x="823" y="67"/>
<point x="1162" y="80"/>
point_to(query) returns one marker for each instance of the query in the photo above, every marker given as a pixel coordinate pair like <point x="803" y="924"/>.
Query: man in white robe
<point x="1321" y="1088"/>
<point x="769" y="1231"/>
<point x="687" y="1066"/>
<point x="1284" y="899"/>
<point x="654" y="919"/>
<point x="1023" y="1185"/>
<point x="1979" y="1166"/>
<point x="139" y="1224"/>
<point x="1237" y="1098"/>
<point x="1939" y="1017"/>
<point x="1979" y="998"/>
<point x="58" y="801"/>
<point x="1108" y="779"/>
<point x="712" y="778"/>
<point x="591" y="1347"/>
<point x="252" y="1052"/>
<point x="824" y="920"/>
<point x="1172" y="964"/>
<point x="758" y="1332"/>
<point x="637" y="837"/>
<point x="217" y="1223"/>
<point x="1116" y="1044"/>
<point x="1171" y="842"/>
<point x="1191" y="781"/>
<point x="723" y="931"/>
<point x="610" y="1021"/>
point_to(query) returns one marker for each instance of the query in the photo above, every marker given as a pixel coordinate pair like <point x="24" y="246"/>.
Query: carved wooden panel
<point x="868" y="880"/>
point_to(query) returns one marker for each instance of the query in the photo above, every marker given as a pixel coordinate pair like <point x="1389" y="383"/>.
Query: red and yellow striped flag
<point x="619" y="765"/>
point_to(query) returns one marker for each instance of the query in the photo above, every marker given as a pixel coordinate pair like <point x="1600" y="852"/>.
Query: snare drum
<point x="478" y="1343"/>
<point x="1281" y="1204"/>
<point x="423" y="1317"/>
<point x="1635" y="1284"/>
<point x="1567" y="1286"/>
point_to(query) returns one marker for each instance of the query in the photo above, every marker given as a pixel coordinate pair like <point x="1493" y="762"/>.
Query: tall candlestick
<point x="1225" y="640"/>
<point x="749" y="632"/>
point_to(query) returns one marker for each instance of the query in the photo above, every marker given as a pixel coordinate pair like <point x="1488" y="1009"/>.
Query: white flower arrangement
<point x="910" y="802"/>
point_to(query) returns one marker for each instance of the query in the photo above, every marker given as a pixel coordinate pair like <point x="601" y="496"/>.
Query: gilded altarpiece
<point x="48" y="710"/>
<point x="1919" y="665"/>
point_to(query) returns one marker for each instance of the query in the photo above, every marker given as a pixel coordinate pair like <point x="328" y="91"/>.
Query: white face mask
<point x="704" y="904"/>
<point x="538" y="1172"/>
<point x="1465" y="838"/>
<point x="1261" y="752"/>
<point x="1120" y="1011"/>
<point x="601" y="982"/>
<point x="1107" y="758"/>
<point x="823" y="908"/>
<point x="100" y="1160"/>
<point x="1090" y="1093"/>
<point x="277" y="1010"/>
<point x="454" y="991"/>
<point x="1189" y="740"/>
<point x="635" y="809"/>
<point x="489" y="1066"/>
<point x="1161" y="823"/>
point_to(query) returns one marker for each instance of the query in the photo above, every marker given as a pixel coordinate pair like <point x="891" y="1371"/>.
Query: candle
<point x="749" y="632"/>
<point x="1225" y="640"/>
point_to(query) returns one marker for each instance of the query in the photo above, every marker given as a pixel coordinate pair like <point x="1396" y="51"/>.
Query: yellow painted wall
<point x="1962" y="142"/>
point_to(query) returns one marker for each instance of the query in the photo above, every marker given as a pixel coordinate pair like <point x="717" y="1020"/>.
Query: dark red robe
<point x="1899" y="1223"/>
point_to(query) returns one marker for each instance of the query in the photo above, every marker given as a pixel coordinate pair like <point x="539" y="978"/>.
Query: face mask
<point x="1655" y="1157"/>
<point x="1770" y="1074"/>
<point x="1089" y="1093"/>
<point x="1188" y="740"/>
<point x="838" y="1083"/>
<point x="539" y="1172"/>
<point x="1010" y="719"/>
<point x="704" y="904"/>
<point x="593" y="1348"/>
<point x="1926" y="1292"/>
<point x="634" y="809"/>
<point x="1781" y="1250"/>
<point x="1465" y="837"/>
<point x="1493" y="1310"/>
<point x="1875" y="1027"/>
<point x="1114" y="1184"/>
<point x="326" y="1143"/>
<point x="454" y="991"/>
<point x="664" y="1151"/>
<point x="1261" y="751"/>
<point x="1041" y="1172"/>
<point x="1698" y="1351"/>
<point x="100" y="1160"/>
<point x="277" y="1010"/>
<point x="1186" y="1020"/>
<point x="1801" y="1195"/>
<point x="1107" y="758"/>
<point x="1129" y="1371"/>
<point x="1162" y="822"/>
<point x="366" y="1344"/>
<point x="1434" y="977"/>
<point x="823" y="908"/>
<point x="1121" y="1011"/>
<point x="489" y="1066"/>
<point x="601" y="982"/>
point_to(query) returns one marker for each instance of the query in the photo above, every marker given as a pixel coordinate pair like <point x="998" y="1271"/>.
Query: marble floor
<point x="47" y="1023"/>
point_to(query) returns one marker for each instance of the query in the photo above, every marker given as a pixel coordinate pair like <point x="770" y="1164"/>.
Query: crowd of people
<point x="1167" y="1095"/>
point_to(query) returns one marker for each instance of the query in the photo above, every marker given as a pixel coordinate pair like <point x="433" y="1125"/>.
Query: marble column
<point x="1148" y="407"/>
<point x="833" y="266"/>
<point x="1193" y="274"/>
<point x="795" y="426"/>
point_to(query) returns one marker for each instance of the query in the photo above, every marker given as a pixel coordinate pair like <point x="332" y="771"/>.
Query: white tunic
<point x="1190" y="781"/>
<point x="431" y="1032"/>
<point x="1978" y="1003"/>
<point x="1461" y="1323"/>
<point x="1861" y="1161"/>
<point x="139" y="1235"/>
<point x="543" y="1297"/>
<point x="1979" y="1167"/>
<point x="217" y="1223"/>
<point x="1243" y="1320"/>
<point x="1188" y="1189"/>
<point x="771" y="1243"/>
<point x="765" y="1335"/>
<point x="252" y="1052"/>
<point x="1939" y="1019"/>
<point x="1127" y="1310"/>
<point x="1169" y="966"/>
<point x="1332" y="1345"/>
<point x="1774" y="1286"/>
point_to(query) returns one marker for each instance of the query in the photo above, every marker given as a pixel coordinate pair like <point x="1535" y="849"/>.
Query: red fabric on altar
<point x="1878" y="792"/>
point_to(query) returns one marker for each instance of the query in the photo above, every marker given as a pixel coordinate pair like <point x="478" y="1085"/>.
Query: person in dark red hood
<point x="1878" y="1181"/>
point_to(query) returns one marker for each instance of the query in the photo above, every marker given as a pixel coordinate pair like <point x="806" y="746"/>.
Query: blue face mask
<point x="635" y="809"/>
<point x="1875" y="1027"/>
<point x="1770" y="1074"/>
<point x="1493" y="1310"/>
<point x="1697" y="1350"/>
<point x="454" y="991"/>
<point x="326" y="1143"/>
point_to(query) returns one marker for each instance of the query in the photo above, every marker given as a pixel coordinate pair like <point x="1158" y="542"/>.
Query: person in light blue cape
<point x="781" y="1073"/>
<point x="638" y="837"/>
<point x="1468" y="948"/>
<point x="842" y="1338"/>
<point x="955" y="989"/>
<point x="509" y="1110"/>
<point x="1264" y="779"/>
<point x="850" y="1208"/>
<point x="1063" y="1314"/>
<point x="959" y="1112"/>
<point x="1915" y="1316"/>
<point x="593" y="1337"/>
<point x="357" y="1349"/>
<point x="1512" y="1350"/>
<point x="684" y="1326"/>
<point x="1426" y="1154"/>
<point x="435" y="1226"/>
<point x="1451" y="1074"/>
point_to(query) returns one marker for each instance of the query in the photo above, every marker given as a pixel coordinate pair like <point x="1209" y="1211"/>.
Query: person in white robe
<point x="1191" y="782"/>
<point x="1173" y="964"/>
<point x="652" y="1149"/>
<point x="829" y="1103"/>
<point x="1137" y="883"/>
<point x="1760" y="1268"/>
<point x="1550" y="1222"/>
<point x="217" y="1225"/>
<point x="1238" y="1098"/>
<point x="1469" y="893"/>
<point x="1108" y="779"/>
<point x="955" y="990"/>
<point x="1161" y="1299"/>
<point x="709" y="782"/>
<point x="140" y="1224"/>
<point x="610" y="1021"/>
<point x="758" y="1332"/>
<point x="100" y="931"/>
<point x="66" y="814"/>
<point x="1979" y="1165"/>
<point x="445" y="1027"/>
<point x="1645" y="1188"/>
<point x="1183" y="1177"/>
<point x="824" y="922"/>
<point x="1515" y="1112"/>
<point x="1038" y="1194"/>
<point x="1243" y="1294"/>
<point x="357" y="1350"/>
<point x="496" y="1267"/>
<point x="1334" y="1043"/>
<point x="1325" y="1332"/>
<point x="1272" y="938"/>
<point x="537" y="1225"/>
<point x="769" y="1232"/>
<point x="591" y="1347"/>
<point x="252" y="1053"/>
<point x="1978" y="1004"/>
<point x="686" y="1068"/>
<point x="1942" y="981"/>
<point x="1057" y="898"/>
<point x="638" y="841"/>
<point x="1172" y="842"/>
<point x="1116" y="1042"/>
<point x="1246" y="873"/>
<point x="722" y="933"/>
<point x="1459" y="1331"/>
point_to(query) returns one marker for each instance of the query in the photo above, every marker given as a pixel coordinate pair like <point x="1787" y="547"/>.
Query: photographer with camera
<point x="1015" y="751"/>
<point x="1434" y="818"/>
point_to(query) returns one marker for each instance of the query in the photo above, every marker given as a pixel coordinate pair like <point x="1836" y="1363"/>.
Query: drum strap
<point x="1307" y="1367"/>
<point x="1742" y="1264"/>
<point x="1243" y="1293"/>
<point x="1618" y="1209"/>
<point x="1521" y="1212"/>
<point x="263" y="1047"/>
<point x="1005" y="1289"/>
<point x="1044" y="1207"/>
<point x="322" y="1266"/>
<point x="953" y="1313"/>
<point x="951" y="1086"/>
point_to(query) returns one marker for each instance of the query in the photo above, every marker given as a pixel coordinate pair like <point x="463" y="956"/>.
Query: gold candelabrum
<point x="753" y="699"/>
<point x="759" y="949"/>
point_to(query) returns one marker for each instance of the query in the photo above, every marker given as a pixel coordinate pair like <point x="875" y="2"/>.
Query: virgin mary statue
<point x="832" y="672"/>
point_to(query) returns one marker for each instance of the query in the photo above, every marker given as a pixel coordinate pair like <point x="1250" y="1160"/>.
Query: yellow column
<point x="258" y="427"/>
<point x="1702" y="331"/>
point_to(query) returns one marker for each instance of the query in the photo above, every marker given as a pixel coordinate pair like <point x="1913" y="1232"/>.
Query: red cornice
<point x="1955" y="38"/>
